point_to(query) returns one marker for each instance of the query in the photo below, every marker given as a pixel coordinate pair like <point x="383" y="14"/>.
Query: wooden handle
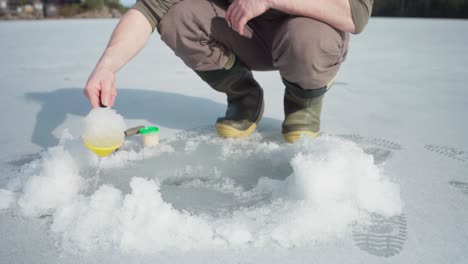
<point x="132" y="131"/>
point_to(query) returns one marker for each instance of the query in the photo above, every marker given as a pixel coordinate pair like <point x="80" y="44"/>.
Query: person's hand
<point x="241" y="11"/>
<point x="100" y="88"/>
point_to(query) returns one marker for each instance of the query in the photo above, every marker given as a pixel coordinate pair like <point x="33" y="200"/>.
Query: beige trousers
<point x="305" y="51"/>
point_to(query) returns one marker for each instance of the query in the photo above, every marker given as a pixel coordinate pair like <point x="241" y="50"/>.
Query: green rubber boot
<point x="244" y="96"/>
<point x="302" y="109"/>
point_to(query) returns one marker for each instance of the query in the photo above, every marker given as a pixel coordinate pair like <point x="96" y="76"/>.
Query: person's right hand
<point x="100" y="89"/>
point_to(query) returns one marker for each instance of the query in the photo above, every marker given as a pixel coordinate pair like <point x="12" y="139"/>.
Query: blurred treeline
<point x="99" y="4"/>
<point x="421" y="8"/>
<point x="70" y="8"/>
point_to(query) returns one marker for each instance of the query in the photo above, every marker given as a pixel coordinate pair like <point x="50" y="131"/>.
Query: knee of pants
<point x="188" y="35"/>
<point x="176" y="23"/>
<point x="308" y="52"/>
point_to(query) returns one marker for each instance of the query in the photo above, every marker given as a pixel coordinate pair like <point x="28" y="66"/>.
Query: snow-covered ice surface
<point x="386" y="182"/>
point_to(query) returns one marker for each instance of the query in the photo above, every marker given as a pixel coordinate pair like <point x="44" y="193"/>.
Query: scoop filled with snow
<point x="103" y="131"/>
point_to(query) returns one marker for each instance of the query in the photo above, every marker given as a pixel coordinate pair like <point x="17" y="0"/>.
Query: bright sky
<point x="127" y="2"/>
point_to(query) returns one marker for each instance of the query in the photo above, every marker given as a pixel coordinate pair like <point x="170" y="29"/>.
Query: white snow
<point x="333" y="185"/>
<point x="103" y="127"/>
<point x="385" y="182"/>
<point x="56" y="182"/>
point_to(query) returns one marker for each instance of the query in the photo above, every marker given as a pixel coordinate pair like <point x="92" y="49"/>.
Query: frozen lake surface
<point x="386" y="182"/>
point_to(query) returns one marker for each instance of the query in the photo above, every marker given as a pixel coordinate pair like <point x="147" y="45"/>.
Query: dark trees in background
<point x="421" y="8"/>
<point x="94" y="4"/>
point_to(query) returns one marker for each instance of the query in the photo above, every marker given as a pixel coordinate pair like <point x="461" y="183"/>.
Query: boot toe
<point x="235" y="129"/>
<point x="294" y="136"/>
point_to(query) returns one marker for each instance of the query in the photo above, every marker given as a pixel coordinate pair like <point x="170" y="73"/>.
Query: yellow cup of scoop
<point x="103" y="151"/>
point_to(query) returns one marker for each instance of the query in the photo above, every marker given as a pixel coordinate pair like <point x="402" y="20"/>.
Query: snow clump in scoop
<point x="104" y="128"/>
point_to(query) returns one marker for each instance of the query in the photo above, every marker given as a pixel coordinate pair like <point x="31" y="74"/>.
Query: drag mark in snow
<point x="381" y="149"/>
<point x="462" y="186"/>
<point x="382" y="237"/>
<point x="448" y="152"/>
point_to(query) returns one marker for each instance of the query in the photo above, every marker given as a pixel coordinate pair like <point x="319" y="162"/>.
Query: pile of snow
<point x="103" y="127"/>
<point x="56" y="182"/>
<point x="313" y="192"/>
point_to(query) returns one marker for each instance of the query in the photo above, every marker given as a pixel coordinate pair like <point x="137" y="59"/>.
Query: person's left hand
<point x="241" y="11"/>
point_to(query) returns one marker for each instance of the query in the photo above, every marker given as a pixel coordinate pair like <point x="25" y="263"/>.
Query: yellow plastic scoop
<point x="106" y="151"/>
<point x="102" y="152"/>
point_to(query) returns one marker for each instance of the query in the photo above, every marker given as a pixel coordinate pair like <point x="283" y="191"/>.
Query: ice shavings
<point x="340" y="173"/>
<point x="56" y="183"/>
<point x="185" y="231"/>
<point x="89" y="222"/>
<point x="287" y="195"/>
<point x="103" y="127"/>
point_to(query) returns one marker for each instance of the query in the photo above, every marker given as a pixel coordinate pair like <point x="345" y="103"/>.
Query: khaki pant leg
<point x="308" y="52"/>
<point x="196" y="30"/>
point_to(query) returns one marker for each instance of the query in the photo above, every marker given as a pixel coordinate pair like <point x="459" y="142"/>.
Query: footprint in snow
<point x="449" y="152"/>
<point x="382" y="237"/>
<point x="455" y="154"/>
<point x="381" y="149"/>
<point x="462" y="186"/>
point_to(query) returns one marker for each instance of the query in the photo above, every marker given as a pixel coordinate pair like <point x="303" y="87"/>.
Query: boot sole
<point x="294" y="136"/>
<point x="227" y="131"/>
